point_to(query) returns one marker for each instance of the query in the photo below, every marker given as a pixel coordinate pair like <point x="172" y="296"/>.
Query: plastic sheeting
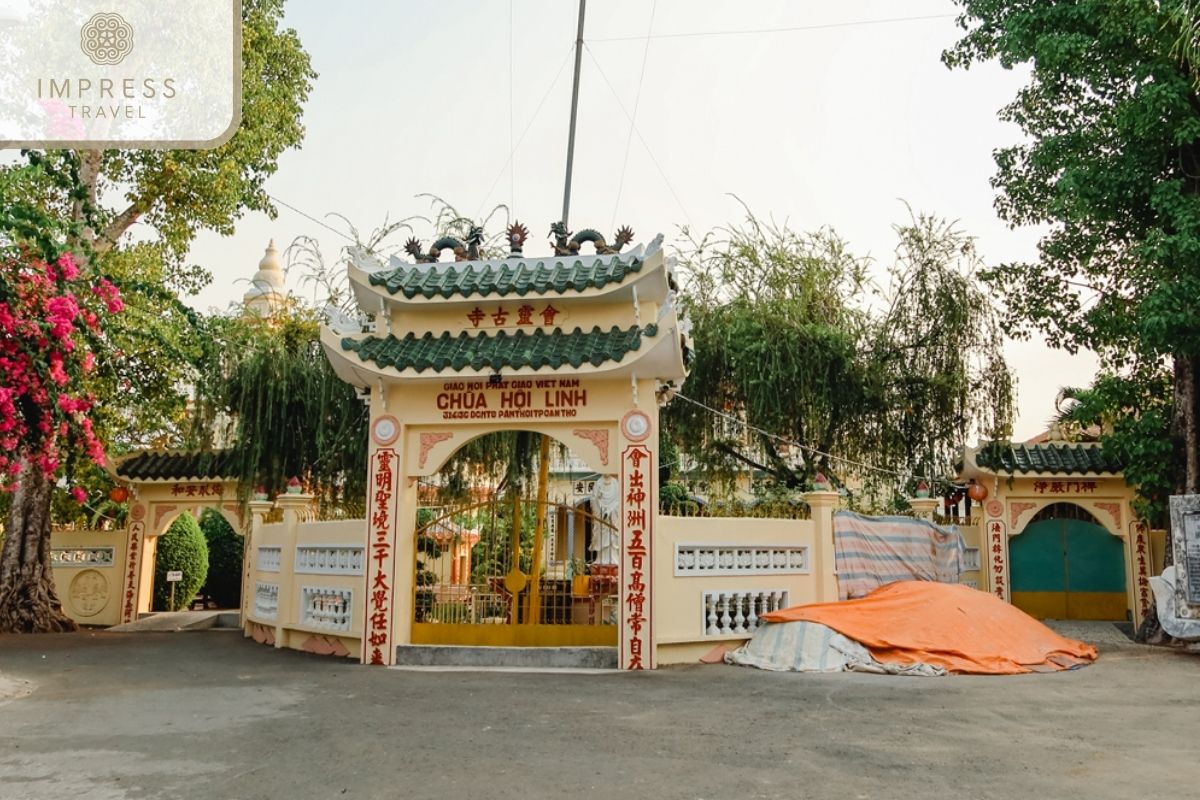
<point x="953" y="627"/>
<point x="872" y="551"/>
<point x="1187" y="630"/>
<point x="813" y="647"/>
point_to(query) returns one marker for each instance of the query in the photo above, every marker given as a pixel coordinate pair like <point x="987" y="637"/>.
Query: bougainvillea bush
<point x="51" y="321"/>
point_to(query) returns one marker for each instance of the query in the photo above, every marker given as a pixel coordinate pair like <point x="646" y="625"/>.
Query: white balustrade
<point x="740" y="559"/>
<point x="326" y="607"/>
<point x="266" y="600"/>
<point x="269" y="558"/>
<point x="329" y="560"/>
<point x="82" y="557"/>
<point x="740" y="612"/>
<point x="970" y="559"/>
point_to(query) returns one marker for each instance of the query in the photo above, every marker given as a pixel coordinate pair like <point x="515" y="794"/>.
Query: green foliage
<point x="91" y="199"/>
<point x="182" y="547"/>
<point x="1110" y="166"/>
<point x="791" y="336"/>
<point x="225" y="548"/>
<point x="287" y="413"/>
<point x="1133" y="414"/>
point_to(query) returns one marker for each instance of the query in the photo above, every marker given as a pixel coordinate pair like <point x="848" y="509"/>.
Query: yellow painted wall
<point x="972" y="538"/>
<point x="90" y="592"/>
<point x="679" y="605"/>
<point x="288" y="626"/>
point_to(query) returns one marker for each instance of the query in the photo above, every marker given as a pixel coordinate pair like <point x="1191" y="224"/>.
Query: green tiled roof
<point x="503" y="350"/>
<point x="1056" y="458"/>
<point x="163" y="465"/>
<point x="503" y="278"/>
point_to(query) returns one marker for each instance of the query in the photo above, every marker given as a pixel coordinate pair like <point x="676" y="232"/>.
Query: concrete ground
<point x="211" y="715"/>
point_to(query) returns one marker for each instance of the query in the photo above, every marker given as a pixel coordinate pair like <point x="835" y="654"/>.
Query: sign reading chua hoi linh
<point x="581" y="346"/>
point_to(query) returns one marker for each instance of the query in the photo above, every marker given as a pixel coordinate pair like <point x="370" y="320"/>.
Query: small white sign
<point x="174" y="576"/>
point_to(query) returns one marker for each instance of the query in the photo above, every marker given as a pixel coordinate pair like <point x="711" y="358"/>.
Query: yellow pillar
<point x="823" y="504"/>
<point x="289" y="599"/>
<point x="539" y="530"/>
<point x="258" y="509"/>
<point x="924" y="507"/>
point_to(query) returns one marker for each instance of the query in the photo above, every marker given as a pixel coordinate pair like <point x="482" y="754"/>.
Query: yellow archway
<point x="576" y="347"/>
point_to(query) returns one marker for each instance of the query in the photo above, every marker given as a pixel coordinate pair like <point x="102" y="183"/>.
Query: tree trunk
<point x="28" y="602"/>
<point x="1186" y="415"/>
<point x="1185" y="436"/>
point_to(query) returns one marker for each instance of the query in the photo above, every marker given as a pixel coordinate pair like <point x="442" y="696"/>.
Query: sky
<point x="840" y="121"/>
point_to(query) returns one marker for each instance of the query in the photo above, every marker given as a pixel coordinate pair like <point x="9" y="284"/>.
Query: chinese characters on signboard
<point x="196" y="490"/>
<point x="129" y="600"/>
<point x="520" y="316"/>
<point x="637" y="516"/>
<point x="1064" y="487"/>
<point x="378" y="627"/>
<point x="1141" y="552"/>
<point x="995" y="546"/>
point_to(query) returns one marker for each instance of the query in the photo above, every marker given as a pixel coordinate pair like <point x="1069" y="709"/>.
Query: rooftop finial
<point x="517" y="234"/>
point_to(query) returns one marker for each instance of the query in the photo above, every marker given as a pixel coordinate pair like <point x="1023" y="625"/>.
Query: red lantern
<point x="118" y="494"/>
<point x="977" y="491"/>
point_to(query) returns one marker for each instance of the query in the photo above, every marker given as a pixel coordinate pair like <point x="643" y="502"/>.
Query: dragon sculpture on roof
<point x="463" y="251"/>
<point x="567" y="245"/>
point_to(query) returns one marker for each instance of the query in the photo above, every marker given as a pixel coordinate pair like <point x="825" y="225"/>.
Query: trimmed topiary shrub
<point x="225" y="545"/>
<point x="182" y="547"/>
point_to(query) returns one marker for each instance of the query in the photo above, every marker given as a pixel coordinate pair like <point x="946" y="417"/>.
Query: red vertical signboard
<point x="637" y="521"/>
<point x="381" y="541"/>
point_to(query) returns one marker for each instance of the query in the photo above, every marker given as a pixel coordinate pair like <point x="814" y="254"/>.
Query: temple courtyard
<point x="110" y="716"/>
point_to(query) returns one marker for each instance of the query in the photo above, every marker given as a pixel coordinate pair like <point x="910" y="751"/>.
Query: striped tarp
<point x="872" y="551"/>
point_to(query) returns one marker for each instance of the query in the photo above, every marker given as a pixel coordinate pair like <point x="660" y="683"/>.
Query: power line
<point x="637" y="99"/>
<point x="532" y="119"/>
<point x="662" y="173"/>
<point x="791" y="29"/>
<point x="806" y="448"/>
<point x="311" y="218"/>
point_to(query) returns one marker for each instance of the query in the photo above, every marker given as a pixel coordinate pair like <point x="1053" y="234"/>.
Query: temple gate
<point x="579" y="348"/>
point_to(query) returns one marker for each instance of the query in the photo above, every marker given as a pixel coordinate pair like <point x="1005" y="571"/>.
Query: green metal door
<point x="1068" y="569"/>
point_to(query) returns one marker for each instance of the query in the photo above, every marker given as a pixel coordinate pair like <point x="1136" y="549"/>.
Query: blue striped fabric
<point x="872" y="551"/>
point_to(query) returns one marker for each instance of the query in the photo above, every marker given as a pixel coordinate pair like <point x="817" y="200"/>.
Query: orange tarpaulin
<point x="947" y="625"/>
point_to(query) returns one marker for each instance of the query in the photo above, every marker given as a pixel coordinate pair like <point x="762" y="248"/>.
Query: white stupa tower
<point x="266" y="294"/>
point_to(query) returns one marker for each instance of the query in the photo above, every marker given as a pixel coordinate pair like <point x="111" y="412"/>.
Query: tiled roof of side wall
<point x="1052" y="458"/>
<point x="160" y="465"/>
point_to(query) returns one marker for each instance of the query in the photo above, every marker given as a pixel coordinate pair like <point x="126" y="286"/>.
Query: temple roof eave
<point x="1046" y="460"/>
<point x="651" y="280"/>
<point x="660" y="356"/>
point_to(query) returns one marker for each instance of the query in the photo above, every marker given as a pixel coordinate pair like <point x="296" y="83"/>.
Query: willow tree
<point x="793" y="337"/>
<point x="100" y="195"/>
<point x="270" y="395"/>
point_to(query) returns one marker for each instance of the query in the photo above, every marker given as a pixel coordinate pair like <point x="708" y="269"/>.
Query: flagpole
<point x="574" y="112"/>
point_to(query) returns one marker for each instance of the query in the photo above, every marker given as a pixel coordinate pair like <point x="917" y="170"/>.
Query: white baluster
<point x="710" y="603"/>
<point x="739" y="618"/>
<point x="752" y="620"/>
<point x="726" y="620"/>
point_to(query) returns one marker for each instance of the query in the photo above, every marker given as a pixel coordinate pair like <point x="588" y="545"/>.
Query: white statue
<point x="606" y="505"/>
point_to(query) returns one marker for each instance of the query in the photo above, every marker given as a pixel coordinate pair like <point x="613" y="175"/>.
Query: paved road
<point x="211" y="715"/>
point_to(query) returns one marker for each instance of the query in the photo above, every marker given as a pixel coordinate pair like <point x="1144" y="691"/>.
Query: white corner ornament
<point x="385" y="430"/>
<point x="636" y="426"/>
